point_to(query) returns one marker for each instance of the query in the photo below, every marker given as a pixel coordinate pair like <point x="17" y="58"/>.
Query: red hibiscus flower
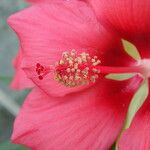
<point x="66" y="53"/>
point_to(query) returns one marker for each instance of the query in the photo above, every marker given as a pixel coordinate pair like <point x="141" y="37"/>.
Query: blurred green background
<point x="10" y="100"/>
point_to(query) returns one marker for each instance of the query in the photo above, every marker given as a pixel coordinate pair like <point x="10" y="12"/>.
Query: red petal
<point x="129" y="18"/>
<point x="143" y="45"/>
<point x="137" y="137"/>
<point x="126" y="16"/>
<point x="46" y="30"/>
<point x="86" y="120"/>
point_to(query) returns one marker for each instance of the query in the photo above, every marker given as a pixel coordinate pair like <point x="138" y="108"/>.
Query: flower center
<point x="74" y="69"/>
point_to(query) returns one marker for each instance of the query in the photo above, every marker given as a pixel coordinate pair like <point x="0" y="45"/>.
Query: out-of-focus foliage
<point x="8" y="146"/>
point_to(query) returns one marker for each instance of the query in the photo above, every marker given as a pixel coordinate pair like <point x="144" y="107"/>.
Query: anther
<point x="77" y="69"/>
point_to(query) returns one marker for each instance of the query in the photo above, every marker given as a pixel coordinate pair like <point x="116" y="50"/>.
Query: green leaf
<point x="136" y="103"/>
<point x="119" y="77"/>
<point x="8" y="146"/>
<point x="131" y="49"/>
<point x="6" y="80"/>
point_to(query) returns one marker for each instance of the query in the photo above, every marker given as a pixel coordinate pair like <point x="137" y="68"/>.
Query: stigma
<point x="73" y="69"/>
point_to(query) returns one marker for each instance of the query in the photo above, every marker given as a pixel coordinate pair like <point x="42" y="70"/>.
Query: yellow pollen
<point x="75" y="69"/>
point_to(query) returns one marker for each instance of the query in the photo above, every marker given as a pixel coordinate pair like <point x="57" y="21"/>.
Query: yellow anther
<point x="76" y="69"/>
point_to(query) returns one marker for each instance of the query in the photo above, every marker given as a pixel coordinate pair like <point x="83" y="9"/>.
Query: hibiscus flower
<point x="71" y="109"/>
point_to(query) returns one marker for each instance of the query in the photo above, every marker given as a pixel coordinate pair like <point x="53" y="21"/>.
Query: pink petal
<point x="90" y="119"/>
<point x="137" y="137"/>
<point x="126" y="16"/>
<point x="129" y="18"/>
<point x="47" y="30"/>
<point x="20" y="80"/>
